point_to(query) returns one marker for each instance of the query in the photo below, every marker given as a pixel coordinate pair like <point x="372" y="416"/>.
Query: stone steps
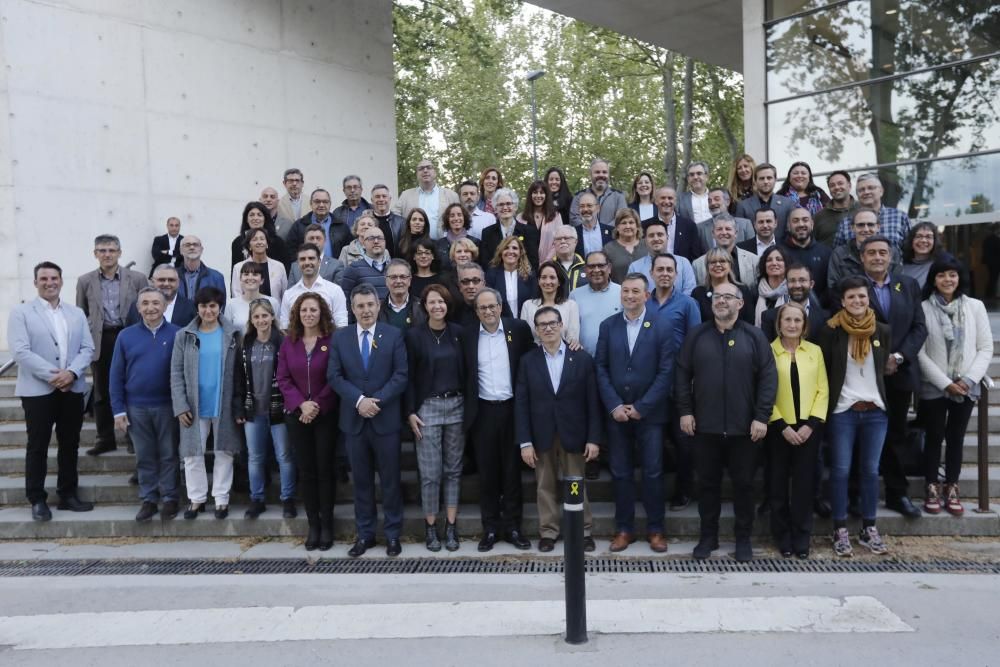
<point x="115" y="521"/>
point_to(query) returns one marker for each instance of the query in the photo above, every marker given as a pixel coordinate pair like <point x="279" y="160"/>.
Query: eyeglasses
<point x="597" y="267"/>
<point x="505" y="204"/>
<point x="321" y="201"/>
<point x="398" y="277"/>
<point x="724" y="297"/>
<point x="866" y="225"/>
<point x="488" y="307"/>
<point x="545" y="326"/>
<point x="719" y="262"/>
<point x="374" y="239"/>
<point x="565" y="238"/>
<point x="470" y="281"/>
<point x="924" y="237"/>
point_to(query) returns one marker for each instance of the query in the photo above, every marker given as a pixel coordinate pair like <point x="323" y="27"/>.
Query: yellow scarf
<point x="859" y="328"/>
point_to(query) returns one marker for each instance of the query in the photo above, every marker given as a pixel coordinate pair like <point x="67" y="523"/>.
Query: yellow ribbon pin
<point x="899" y="287"/>
<point x="574" y="488"/>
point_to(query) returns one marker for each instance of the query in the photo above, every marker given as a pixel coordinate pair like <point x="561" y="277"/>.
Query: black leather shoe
<point x="589" y="545"/>
<point x="393" y="547"/>
<point x="102" y="448"/>
<point x="360" y="547"/>
<point x="744" y="550"/>
<point x="74" y="504"/>
<point x="221" y="511"/>
<point x="169" y="510"/>
<point x="312" y="537"/>
<point x="489" y="539"/>
<point x="194" y="510"/>
<point x="288" y="510"/>
<point x="679" y="502"/>
<point x="904" y="506"/>
<point x="40" y="511"/>
<point x="326" y="535"/>
<point x="546" y="544"/>
<point x="133" y="480"/>
<point x="514" y="537"/>
<point x="822" y="508"/>
<point x="257" y="507"/>
<point x="451" y="540"/>
<point x="592" y="470"/>
<point x="146" y="512"/>
<point x="705" y="547"/>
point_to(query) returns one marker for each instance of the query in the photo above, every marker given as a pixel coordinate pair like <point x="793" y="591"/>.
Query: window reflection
<point x="776" y="9"/>
<point x="866" y="39"/>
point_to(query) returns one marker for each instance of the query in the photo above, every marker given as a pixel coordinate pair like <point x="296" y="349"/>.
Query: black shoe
<point x="221" y="511"/>
<point x="146" y="512"/>
<point x="74" y="504"/>
<point x="169" y="510"/>
<point x="288" y="510"/>
<point x="854" y="507"/>
<point x="763" y="508"/>
<point x="312" y="537"/>
<point x="451" y="540"/>
<point x="326" y="534"/>
<point x="342" y="473"/>
<point x="679" y="502"/>
<point x="102" y="448"/>
<point x="40" y="511"/>
<point x="592" y="470"/>
<point x="194" y="510"/>
<point x="514" y="537"/>
<point x="489" y="539"/>
<point x="546" y="544"/>
<point x="360" y="547"/>
<point x="393" y="547"/>
<point x="256" y="508"/>
<point x="744" y="550"/>
<point x="589" y="545"/>
<point x="802" y="555"/>
<point x="705" y="547"/>
<point x="904" y="506"/>
<point x="821" y="506"/>
<point x="431" y="539"/>
<point x="134" y="479"/>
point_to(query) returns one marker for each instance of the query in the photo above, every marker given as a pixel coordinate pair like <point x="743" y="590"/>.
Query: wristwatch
<point x="898" y="357"/>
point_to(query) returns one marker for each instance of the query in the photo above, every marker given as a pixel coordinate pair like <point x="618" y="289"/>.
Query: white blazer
<point x="275" y="274"/>
<point x="747" y="263"/>
<point x="33" y="343"/>
<point x="977" y="351"/>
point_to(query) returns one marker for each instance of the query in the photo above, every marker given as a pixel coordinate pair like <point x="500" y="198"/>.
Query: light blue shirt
<point x="555" y="364"/>
<point x="328" y="247"/>
<point x="632" y="328"/>
<point x="209" y="373"/>
<point x="595" y="307"/>
<point x="685" y="281"/>
<point x="592" y="239"/>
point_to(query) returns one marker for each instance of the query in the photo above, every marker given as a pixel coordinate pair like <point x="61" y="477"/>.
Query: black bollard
<point x="576" y="592"/>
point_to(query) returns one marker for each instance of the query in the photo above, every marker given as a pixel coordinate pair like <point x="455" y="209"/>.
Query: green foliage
<point x="462" y="100"/>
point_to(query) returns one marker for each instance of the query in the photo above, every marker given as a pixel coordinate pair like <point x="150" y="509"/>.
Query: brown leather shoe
<point x="621" y="542"/>
<point x="657" y="542"/>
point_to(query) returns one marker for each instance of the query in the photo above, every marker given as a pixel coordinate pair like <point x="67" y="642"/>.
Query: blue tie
<point x="365" y="349"/>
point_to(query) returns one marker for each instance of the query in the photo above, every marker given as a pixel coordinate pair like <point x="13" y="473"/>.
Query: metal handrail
<point x="9" y="364"/>
<point x="983" y="444"/>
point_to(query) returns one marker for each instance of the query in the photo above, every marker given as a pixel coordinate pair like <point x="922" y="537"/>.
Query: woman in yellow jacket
<point x="795" y="430"/>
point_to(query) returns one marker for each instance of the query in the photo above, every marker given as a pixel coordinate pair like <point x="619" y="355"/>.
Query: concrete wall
<point x="754" y="80"/>
<point x="115" y="114"/>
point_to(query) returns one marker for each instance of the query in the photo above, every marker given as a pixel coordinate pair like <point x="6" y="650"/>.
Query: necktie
<point x="365" y="349"/>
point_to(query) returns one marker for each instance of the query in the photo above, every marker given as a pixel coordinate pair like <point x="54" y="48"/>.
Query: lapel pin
<point x="732" y="343"/>
<point x="646" y="325"/>
<point x="877" y="343"/>
<point x="899" y="287"/>
<point x="322" y="348"/>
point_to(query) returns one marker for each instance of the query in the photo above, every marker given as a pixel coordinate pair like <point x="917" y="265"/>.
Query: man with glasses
<point x="846" y="259"/>
<point x="390" y="223"/>
<point x="178" y="310"/>
<point x="593" y="234"/>
<point x="892" y="223"/>
<point x="291" y="206"/>
<point x="428" y="195"/>
<point x="493" y="349"/>
<point x="337" y="234"/>
<point x="398" y="308"/>
<point x="571" y="263"/>
<point x="372" y="265"/>
<point x="105" y="295"/>
<point x="725" y="386"/>
<point x="195" y="274"/>
<point x="470" y="280"/>
<point x="558" y="419"/>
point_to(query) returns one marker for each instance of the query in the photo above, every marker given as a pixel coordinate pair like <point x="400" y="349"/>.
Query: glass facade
<point x="891" y="86"/>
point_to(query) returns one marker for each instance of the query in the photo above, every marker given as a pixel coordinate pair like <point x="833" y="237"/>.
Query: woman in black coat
<point x="256" y="215"/>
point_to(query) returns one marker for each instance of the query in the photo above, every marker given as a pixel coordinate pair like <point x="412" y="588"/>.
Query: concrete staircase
<point x="104" y="480"/>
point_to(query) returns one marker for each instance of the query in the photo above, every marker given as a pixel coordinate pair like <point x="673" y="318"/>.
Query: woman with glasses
<point x="921" y="249"/>
<point x="720" y="271"/>
<point x="434" y="407"/>
<point x="511" y="275"/>
<point x="260" y="408"/>
<point x="552" y="292"/>
<point x="626" y="245"/>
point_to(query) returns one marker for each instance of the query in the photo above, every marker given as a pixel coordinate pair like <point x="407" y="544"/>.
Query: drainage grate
<point x="78" y="568"/>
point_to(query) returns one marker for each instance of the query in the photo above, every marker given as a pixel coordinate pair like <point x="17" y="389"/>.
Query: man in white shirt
<point x="308" y="260"/>
<point x="764" y="224"/>
<point x="293" y="205"/>
<point x="693" y="204"/>
<point x="468" y="193"/>
<point x="429" y="196"/>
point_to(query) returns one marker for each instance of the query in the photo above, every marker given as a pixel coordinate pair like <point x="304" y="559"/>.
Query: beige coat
<point x="88" y="298"/>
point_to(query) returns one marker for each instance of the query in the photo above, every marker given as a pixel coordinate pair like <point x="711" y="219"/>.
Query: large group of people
<point x="746" y="325"/>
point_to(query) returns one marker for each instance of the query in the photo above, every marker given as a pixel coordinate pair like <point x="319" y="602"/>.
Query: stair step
<point x="13" y="435"/>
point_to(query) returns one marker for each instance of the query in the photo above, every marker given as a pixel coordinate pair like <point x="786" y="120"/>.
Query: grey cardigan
<point x="184" y="389"/>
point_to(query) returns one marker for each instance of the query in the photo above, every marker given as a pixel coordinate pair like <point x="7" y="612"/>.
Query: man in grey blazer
<point x="718" y="202"/>
<point x="52" y="347"/>
<point x="106" y="295"/>
<point x="693" y="204"/>
<point x="428" y="195"/>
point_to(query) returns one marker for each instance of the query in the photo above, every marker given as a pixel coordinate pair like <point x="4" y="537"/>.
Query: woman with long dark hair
<point x="771" y="288"/>
<point x="256" y="216"/>
<point x="799" y="187"/>
<point x="415" y="227"/>
<point x="921" y="249"/>
<point x="641" y="197"/>
<point x="490" y="181"/>
<point x="552" y="292"/>
<point x="541" y="212"/>
<point x="953" y="360"/>
<point x="311" y="412"/>
<point x="275" y="279"/>
<point x="558" y="187"/>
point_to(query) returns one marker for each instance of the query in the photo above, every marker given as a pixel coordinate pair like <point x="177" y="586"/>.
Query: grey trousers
<point x="439" y="458"/>
<point x="154" y="434"/>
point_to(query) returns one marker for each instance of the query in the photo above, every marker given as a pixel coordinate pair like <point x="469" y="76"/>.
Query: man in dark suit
<point x="799" y="280"/>
<point x="764" y="223"/>
<point x="493" y="350"/>
<point x="682" y="234"/>
<point x="506" y="225"/>
<point x="558" y="420"/>
<point x="694" y="204"/>
<point x="635" y="354"/>
<point x="178" y="310"/>
<point x="368" y="371"/>
<point x="896" y="301"/>
<point x="765" y="177"/>
<point x="167" y="248"/>
<point x="591" y="233"/>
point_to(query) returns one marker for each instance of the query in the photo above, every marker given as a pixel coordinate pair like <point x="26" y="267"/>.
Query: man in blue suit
<point x="367" y="369"/>
<point x="557" y="416"/>
<point x="634" y="365"/>
<point x="52" y="345"/>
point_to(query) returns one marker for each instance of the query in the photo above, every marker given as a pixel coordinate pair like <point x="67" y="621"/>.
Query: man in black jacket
<point x="493" y="350"/>
<point x="167" y="248"/>
<point x="558" y="420"/>
<point x="726" y="383"/>
<point x="800" y="289"/>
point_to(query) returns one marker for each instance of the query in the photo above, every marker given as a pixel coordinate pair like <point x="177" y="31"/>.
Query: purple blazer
<point x="299" y="377"/>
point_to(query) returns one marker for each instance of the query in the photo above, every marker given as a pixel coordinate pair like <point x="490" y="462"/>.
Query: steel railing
<point x="983" y="443"/>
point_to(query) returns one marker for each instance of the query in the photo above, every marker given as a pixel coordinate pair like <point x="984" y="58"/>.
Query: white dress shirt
<point x="431" y="203"/>
<point x="172" y="242"/>
<point x="480" y="221"/>
<point x="632" y="328"/>
<point x="555" y="364"/>
<point x="699" y="207"/>
<point x="510" y="290"/>
<point x="671" y="233"/>
<point x="168" y="312"/>
<point x="494" y="366"/>
<point x="331" y="293"/>
<point x="57" y="318"/>
<point x="761" y="247"/>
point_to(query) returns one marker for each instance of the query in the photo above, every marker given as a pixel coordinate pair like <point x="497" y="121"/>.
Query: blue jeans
<point x="648" y="440"/>
<point x="256" y="432"/>
<point x="868" y="429"/>
<point x="154" y="435"/>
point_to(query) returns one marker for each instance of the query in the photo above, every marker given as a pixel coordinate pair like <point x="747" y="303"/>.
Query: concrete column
<point x="754" y="80"/>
